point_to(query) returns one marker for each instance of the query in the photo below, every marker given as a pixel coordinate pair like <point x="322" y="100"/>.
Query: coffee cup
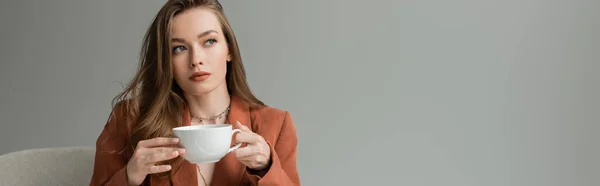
<point x="206" y="143"/>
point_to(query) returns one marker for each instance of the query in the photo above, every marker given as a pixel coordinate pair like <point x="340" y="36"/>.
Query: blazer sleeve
<point x="283" y="170"/>
<point x="111" y="159"/>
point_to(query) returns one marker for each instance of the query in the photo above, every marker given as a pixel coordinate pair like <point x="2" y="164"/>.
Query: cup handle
<point x="236" y="145"/>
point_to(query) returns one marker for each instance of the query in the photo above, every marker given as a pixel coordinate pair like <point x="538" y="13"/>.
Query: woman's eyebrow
<point x="199" y="36"/>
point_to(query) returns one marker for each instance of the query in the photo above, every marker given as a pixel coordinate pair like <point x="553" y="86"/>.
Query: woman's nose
<point x="195" y="63"/>
<point x="197" y="58"/>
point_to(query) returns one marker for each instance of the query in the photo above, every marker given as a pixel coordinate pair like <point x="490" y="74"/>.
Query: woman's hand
<point x="147" y="154"/>
<point x="257" y="154"/>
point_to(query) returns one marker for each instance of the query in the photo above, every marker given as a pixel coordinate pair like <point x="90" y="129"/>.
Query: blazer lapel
<point x="229" y="171"/>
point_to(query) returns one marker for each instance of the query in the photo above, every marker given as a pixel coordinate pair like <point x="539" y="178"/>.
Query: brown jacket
<point x="274" y="125"/>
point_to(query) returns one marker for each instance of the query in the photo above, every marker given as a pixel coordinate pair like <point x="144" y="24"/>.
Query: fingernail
<point x="175" y="140"/>
<point x="181" y="151"/>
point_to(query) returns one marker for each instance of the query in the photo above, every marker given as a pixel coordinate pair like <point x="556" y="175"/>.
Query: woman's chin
<point x="198" y="89"/>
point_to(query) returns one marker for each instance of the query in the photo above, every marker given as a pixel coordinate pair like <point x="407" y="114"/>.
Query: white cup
<point x="206" y="143"/>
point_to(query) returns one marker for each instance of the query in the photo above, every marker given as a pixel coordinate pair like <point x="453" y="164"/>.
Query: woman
<point x="191" y="73"/>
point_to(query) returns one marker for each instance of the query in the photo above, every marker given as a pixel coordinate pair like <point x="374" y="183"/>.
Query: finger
<point x="158" y="168"/>
<point x="244" y="152"/>
<point x="165" y="150"/>
<point x="247" y="137"/>
<point x="156" y="150"/>
<point x="156" y="142"/>
<point x="243" y="127"/>
<point x="253" y="161"/>
<point x="158" y="157"/>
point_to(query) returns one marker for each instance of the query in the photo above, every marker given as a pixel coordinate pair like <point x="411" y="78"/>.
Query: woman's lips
<point x="199" y="76"/>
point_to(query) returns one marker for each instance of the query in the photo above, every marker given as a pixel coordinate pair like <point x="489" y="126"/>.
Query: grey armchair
<point x="47" y="166"/>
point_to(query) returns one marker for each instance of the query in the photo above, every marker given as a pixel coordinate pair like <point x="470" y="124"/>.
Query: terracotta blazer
<point x="274" y="125"/>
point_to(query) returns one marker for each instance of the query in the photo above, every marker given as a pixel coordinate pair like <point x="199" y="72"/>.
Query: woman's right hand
<point x="147" y="154"/>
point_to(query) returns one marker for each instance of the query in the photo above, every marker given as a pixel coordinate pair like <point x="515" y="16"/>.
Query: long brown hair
<point x="153" y="100"/>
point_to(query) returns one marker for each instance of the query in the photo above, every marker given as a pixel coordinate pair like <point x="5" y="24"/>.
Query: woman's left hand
<point x="257" y="154"/>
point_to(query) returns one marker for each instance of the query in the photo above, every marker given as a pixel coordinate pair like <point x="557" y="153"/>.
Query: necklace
<point x="218" y="116"/>
<point x="202" y="175"/>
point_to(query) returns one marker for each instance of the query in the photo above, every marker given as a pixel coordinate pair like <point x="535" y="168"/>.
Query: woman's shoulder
<point x="270" y="113"/>
<point x="271" y="122"/>
<point x="271" y="119"/>
<point x="121" y="116"/>
<point x="122" y="109"/>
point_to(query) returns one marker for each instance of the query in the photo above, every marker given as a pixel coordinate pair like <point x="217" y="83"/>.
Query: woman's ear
<point x="228" y="57"/>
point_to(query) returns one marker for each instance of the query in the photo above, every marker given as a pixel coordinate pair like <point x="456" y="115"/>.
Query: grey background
<point x="404" y="92"/>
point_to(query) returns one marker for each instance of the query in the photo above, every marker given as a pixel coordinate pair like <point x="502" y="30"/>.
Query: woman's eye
<point x="178" y="49"/>
<point x="210" y="42"/>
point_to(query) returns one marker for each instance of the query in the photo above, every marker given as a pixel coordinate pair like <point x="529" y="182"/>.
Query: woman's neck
<point x="210" y="104"/>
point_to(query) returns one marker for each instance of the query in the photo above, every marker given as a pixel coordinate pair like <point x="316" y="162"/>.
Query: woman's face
<point x="199" y="51"/>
